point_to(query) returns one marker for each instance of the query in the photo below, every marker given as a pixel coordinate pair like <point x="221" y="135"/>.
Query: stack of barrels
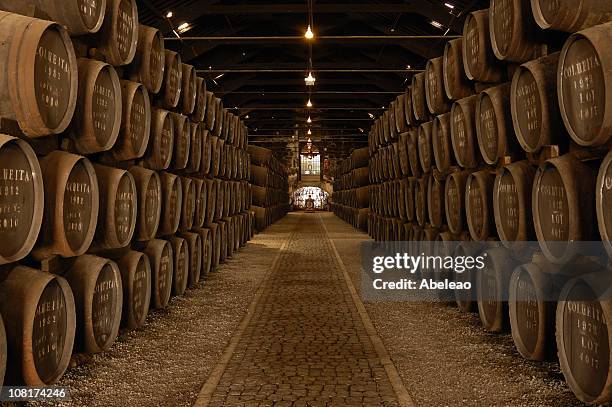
<point x="123" y="181"/>
<point x="351" y="196"/>
<point x="269" y="187"/>
<point x="506" y="137"/>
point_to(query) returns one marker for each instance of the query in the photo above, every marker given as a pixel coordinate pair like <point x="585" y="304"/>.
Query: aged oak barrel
<point x="188" y="205"/>
<point x="135" y="270"/>
<point x="584" y="80"/>
<point x="512" y="203"/>
<point x="401" y="124"/>
<point x="456" y="83"/>
<point x="463" y="131"/>
<point x="454" y="200"/>
<point x="199" y="111"/>
<point x="211" y="201"/>
<point x="193" y="242"/>
<point x="210" y="111"/>
<point x="493" y="281"/>
<point x="479" y="204"/>
<point x="479" y="60"/>
<point x="40" y="336"/>
<point x="403" y="153"/>
<point x="161" y="144"/>
<point x="408" y="107"/>
<point x="172" y="203"/>
<point x="534" y="106"/>
<point x="148" y="188"/>
<point x="441" y="143"/>
<point x="189" y="89"/>
<point x="136" y="123"/>
<point x="180" y="266"/>
<point x="71" y="205"/>
<point x="420" y="203"/>
<point x="201" y="197"/>
<point x="173" y="76"/>
<point x="21" y="199"/>
<point x="424" y="145"/>
<point x="437" y="102"/>
<point x="513" y="31"/>
<point x="570" y="15"/>
<point x="118" y="206"/>
<point x="417" y="91"/>
<point x="603" y="202"/>
<point x="182" y="140"/>
<point x="118" y="36"/>
<point x="435" y="202"/>
<point x="39" y="76"/>
<point x="97" y="117"/>
<point x="161" y="258"/>
<point x="563" y="206"/>
<point x="215" y="239"/>
<point x="149" y="61"/>
<point x="413" y="154"/>
<point x="98" y="297"/>
<point x="466" y="299"/>
<point x="207" y="251"/>
<point x="205" y="161"/>
<point x="219" y="118"/>
<point x="494" y="124"/>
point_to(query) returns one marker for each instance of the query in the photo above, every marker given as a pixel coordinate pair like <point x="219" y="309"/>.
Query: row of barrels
<point x="351" y="197"/>
<point x="50" y="316"/>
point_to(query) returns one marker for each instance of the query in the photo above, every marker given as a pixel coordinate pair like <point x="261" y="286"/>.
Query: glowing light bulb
<point x="310" y="80"/>
<point x="169" y="14"/>
<point x="309" y="132"/>
<point x="309" y="120"/>
<point x="309" y="34"/>
<point x="309" y="104"/>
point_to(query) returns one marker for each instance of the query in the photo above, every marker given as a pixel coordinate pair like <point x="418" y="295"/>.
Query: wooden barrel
<point x="513" y="31"/>
<point x="456" y="84"/>
<point x="22" y="199"/>
<point x="199" y="111"/>
<point x="161" y="258"/>
<point x="40" y="101"/>
<point x="215" y="241"/>
<point x="97" y="117"/>
<point x="135" y="270"/>
<point x="435" y="202"/>
<point x="161" y="146"/>
<point x="420" y="203"/>
<point x="424" y="145"/>
<point x="136" y="123"/>
<point x="180" y="266"/>
<point x="173" y="76"/>
<point x="223" y="239"/>
<point x="494" y="124"/>
<point x="437" y="102"/>
<point x="220" y="199"/>
<point x="584" y="81"/>
<point x="149" y="60"/>
<point x="205" y="161"/>
<point x="172" y="202"/>
<point x="211" y="201"/>
<point x="479" y="60"/>
<point x="118" y="36"/>
<point x="201" y="197"/>
<point x="207" y="251"/>
<point x="413" y="154"/>
<point x="603" y="202"/>
<point x="193" y="241"/>
<point x="401" y="124"/>
<point x="441" y="143"/>
<point x="98" y="297"/>
<point x="417" y="92"/>
<point x="454" y="200"/>
<point x="409" y="197"/>
<point x="71" y="204"/>
<point x="230" y="232"/>
<point x="563" y="206"/>
<point x="182" y="141"/>
<point x="479" y="204"/>
<point x="210" y="111"/>
<point x="570" y="15"/>
<point x="582" y="334"/>
<point x="463" y="131"/>
<point x="219" y="118"/>
<point x="189" y="89"/>
<point x="118" y="206"/>
<point x="512" y="203"/>
<point x="403" y="153"/>
<point x="40" y="335"/>
<point x="533" y="104"/>
<point x="493" y="281"/>
<point x="409" y="107"/>
<point x="148" y="187"/>
<point x="217" y="148"/>
<point x="227" y="197"/>
<point x="466" y="299"/>
<point x="188" y="204"/>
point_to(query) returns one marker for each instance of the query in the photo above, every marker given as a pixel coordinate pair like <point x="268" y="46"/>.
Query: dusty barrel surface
<point x="39" y="77"/>
<point x="479" y="204"/>
<point x="437" y="102"/>
<point x="409" y="107"/>
<point x="118" y="37"/>
<point x="563" y="206"/>
<point x="584" y="80"/>
<point x="188" y="205"/>
<point x="210" y="111"/>
<point x="562" y="15"/>
<point x="513" y="31"/>
<point x="118" y="206"/>
<point x="98" y="297"/>
<point x="456" y="83"/>
<point x="441" y="142"/>
<point x="201" y="197"/>
<point x="215" y="238"/>
<point x="149" y="61"/>
<point x="419" y="104"/>
<point x="206" y="240"/>
<point x="479" y="60"/>
<point x="180" y="266"/>
<point x="582" y="334"/>
<point x="435" y="202"/>
<point x="211" y="201"/>
<point x="161" y="258"/>
<point x="454" y="200"/>
<point x="40" y="335"/>
<point x="199" y="111"/>
<point x="22" y="199"/>
<point x="533" y="104"/>
<point x="463" y="131"/>
<point x="603" y="202"/>
<point x="401" y="122"/>
<point x="173" y="75"/>
<point x="71" y="204"/>
<point x="193" y="242"/>
<point x="413" y="154"/>
<point x="205" y="161"/>
<point x="97" y="117"/>
<point x="189" y="89"/>
<point x="135" y="272"/>
<point x="172" y="203"/>
<point x="492" y="291"/>
<point x="420" y="203"/>
<point x="424" y="144"/>
<point x="494" y="124"/>
<point x="161" y="144"/>
<point x="182" y="140"/>
<point x="219" y="117"/>
<point x="135" y="124"/>
<point x="148" y="188"/>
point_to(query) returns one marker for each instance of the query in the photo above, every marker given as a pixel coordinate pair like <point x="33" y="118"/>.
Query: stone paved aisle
<point x="305" y="344"/>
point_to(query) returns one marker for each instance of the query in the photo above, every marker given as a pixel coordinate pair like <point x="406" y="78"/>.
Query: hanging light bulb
<point x="309" y="104"/>
<point x="310" y="80"/>
<point x="309" y="34"/>
<point x="309" y="132"/>
<point x="309" y="120"/>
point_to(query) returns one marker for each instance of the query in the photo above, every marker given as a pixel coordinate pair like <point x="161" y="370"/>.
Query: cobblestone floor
<point x="305" y="344"/>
